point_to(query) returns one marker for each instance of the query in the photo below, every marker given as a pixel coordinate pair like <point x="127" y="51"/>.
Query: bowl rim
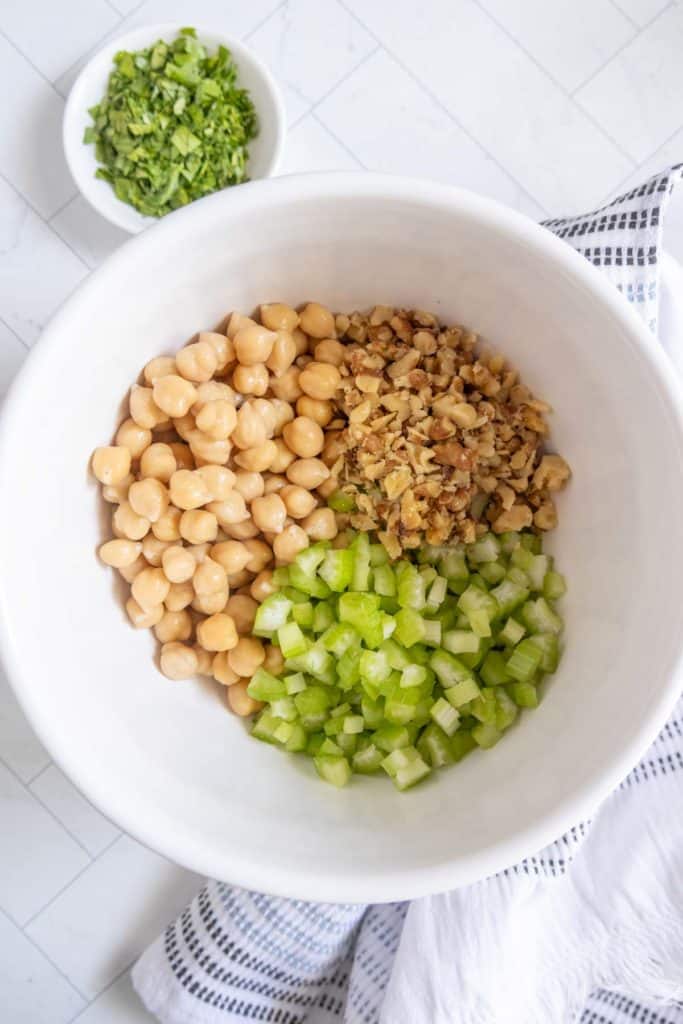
<point x="116" y="211"/>
<point x="232" y="865"/>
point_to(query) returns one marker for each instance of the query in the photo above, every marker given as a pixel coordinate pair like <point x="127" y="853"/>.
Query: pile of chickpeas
<point x="219" y="475"/>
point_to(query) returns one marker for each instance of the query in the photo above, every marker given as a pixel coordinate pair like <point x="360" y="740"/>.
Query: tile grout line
<point x="628" y="17"/>
<point x="30" y="63"/>
<point x="442" y="106"/>
<point x="551" y="78"/>
<point x="115" y="9"/>
<point x="45" y="220"/>
<point x="339" y="141"/>
<point x="617" y="52"/>
<point x="38" y="774"/>
<point x="62" y="208"/>
<point x="344" y="78"/>
<point x="48" y="810"/>
<point x="58" y="969"/>
<point x="28" y="349"/>
<point x="124" y="970"/>
<point x="642" y="163"/>
<point x="263" y="21"/>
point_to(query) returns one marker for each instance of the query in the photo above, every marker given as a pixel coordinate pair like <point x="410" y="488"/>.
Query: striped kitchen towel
<point x="588" y="930"/>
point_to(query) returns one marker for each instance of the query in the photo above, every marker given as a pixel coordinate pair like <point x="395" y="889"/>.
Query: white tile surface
<point x="118" y="1004"/>
<point x="37" y="30"/>
<point x="37" y="269"/>
<point x="90" y="236"/>
<point x="569" y="47"/>
<point x="311" y="147"/>
<point x="111" y="912"/>
<point x="30" y="141"/>
<point x="641" y="11"/>
<point x="637" y="96"/>
<point x="12" y="354"/>
<point x="90" y="828"/>
<point x="32" y="991"/>
<point x="37" y="856"/>
<point x="20" y="748"/>
<point x="369" y="112"/>
<point x="540" y="136"/>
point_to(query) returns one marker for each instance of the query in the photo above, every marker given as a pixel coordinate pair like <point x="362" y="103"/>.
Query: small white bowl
<point x="265" y="150"/>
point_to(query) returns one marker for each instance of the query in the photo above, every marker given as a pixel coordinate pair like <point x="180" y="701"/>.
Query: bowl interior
<point x="165" y="759"/>
<point x="90" y="86"/>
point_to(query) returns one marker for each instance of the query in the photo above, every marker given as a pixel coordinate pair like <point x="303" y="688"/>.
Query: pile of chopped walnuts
<point x="435" y="441"/>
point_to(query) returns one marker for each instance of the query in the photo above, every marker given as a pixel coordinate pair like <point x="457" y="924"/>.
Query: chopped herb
<point x="173" y="126"/>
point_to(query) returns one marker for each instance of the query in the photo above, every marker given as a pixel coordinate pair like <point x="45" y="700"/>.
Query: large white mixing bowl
<point x="165" y="760"/>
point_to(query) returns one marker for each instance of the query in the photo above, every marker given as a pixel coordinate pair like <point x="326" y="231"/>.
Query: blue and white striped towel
<point x="588" y="930"/>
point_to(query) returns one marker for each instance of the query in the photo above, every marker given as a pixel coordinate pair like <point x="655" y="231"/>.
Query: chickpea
<point x="217" y="633"/>
<point x="333" y="447"/>
<point x="197" y="362"/>
<point x="278" y="317"/>
<point x="204" y="661"/>
<point x="158" y="461"/>
<point x="222" y="346"/>
<point x="321" y="524"/>
<point x="246" y="656"/>
<point x="327" y="487"/>
<point x="262" y="587"/>
<point x="283" y="354"/>
<point x="212" y="391"/>
<point x="257" y="459"/>
<point x="133" y="437"/>
<point x="269" y="513"/>
<point x="283" y="458"/>
<point x="254" y="345"/>
<point x="150" y="588"/>
<point x="317" y="321"/>
<point x="209" y="578"/>
<point x="263" y="408"/>
<point x="167" y="526"/>
<point x="231" y="510"/>
<point x="261" y="555"/>
<point x="251" y="380"/>
<point x="308" y="473"/>
<point x="188" y="489"/>
<point x="178" y="661"/>
<point x="143" y="618"/>
<point x="174" y="395"/>
<point x="210" y="604"/>
<point x="217" y="419"/>
<point x="148" y="498"/>
<point x="239" y="700"/>
<point x="242" y="531"/>
<point x="219" y="481"/>
<point x="251" y="429"/>
<point x="329" y="351"/>
<point x="200" y="551"/>
<point x="236" y="322"/>
<point x="178" y="564"/>
<point x="116" y="493"/>
<point x="156" y="368"/>
<point x="239" y="580"/>
<point x="299" y="502"/>
<point x="120" y="553"/>
<point x="304" y="437"/>
<point x="232" y="555"/>
<point x="183" y="456"/>
<point x="153" y="549"/>
<point x="129" y="572"/>
<point x="282" y="413"/>
<point x="290" y="542"/>
<point x="179" y="596"/>
<point x="143" y="409"/>
<point x="301" y="340"/>
<point x="173" y="626"/>
<point x="286" y="387"/>
<point x="211" y="451"/>
<point x="273" y="482"/>
<point x="221" y="671"/>
<point x="320" y="380"/>
<point x="315" y="409"/>
<point x="111" y="464"/>
<point x="274" y="661"/>
<point x="242" y="610"/>
<point x="127" y="523"/>
<point x="197" y="526"/>
<point x="249" y="485"/>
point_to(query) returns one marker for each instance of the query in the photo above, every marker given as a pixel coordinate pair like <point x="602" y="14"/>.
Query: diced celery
<point x="413" y="675"/>
<point x="294" y="683"/>
<point x="373" y="712"/>
<point x="518" y="576"/>
<point x="480" y="608"/>
<point x="339" y="637"/>
<point x="462" y="693"/>
<point x="506" y="711"/>
<point x="486" y="735"/>
<point x="461" y="744"/>
<point x="266" y="726"/>
<point x="549" y="647"/>
<point x="391" y="737"/>
<point x="434" y="746"/>
<point x="478" y="581"/>
<point x="338" y="501"/>
<point x="330" y="747"/>
<point x="484" y="707"/>
<point x="474" y="660"/>
<point x="399" y="711"/>
<point x="453" y="566"/>
<point x="410" y="627"/>
<point x="378" y="555"/>
<point x="399" y="759"/>
<point x="362" y="612"/>
<point x="524" y="661"/>
<point x="554" y="585"/>
<point x="521" y="557"/>
<point x="337" y="568"/>
<point x="436" y="595"/>
<point x="284" y="731"/>
<point x="303" y="614"/>
<point x="525" y="695"/>
<point x="297" y="741"/>
<point x="493" y="670"/>
<point x="323" y="616"/>
<point x="539" y="617"/>
<point x="413" y="773"/>
<point x="384" y="581"/>
<point x="367" y="760"/>
<point x="311" y="585"/>
<point x="333" y="726"/>
<point x="284" y="708"/>
<point x="354" y="724"/>
<point x="348" y="667"/>
<point x="537" y="571"/>
<point x="361" y="563"/>
<point x="314" y="743"/>
<point x="374" y="667"/>
<point x="448" y="668"/>
<point x="333" y="769"/>
<point x="271" y="614"/>
<point x="532" y="542"/>
<point x="312" y="704"/>
<point x="509" y="595"/>
<point x="432" y="635"/>
<point x="291" y="640"/>
<point x="310" y="558"/>
<point x="493" y="572"/>
<point x="487" y="549"/>
<point x="281" y="577"/>
<point x="340" y="710"/>
<point x="511" y="633"/>
<point x="264" y="686"/>
<point x="508" y="542"/>
<point x="295" y="596"/>
<point x="319" y="663"/>
<point x="388" y="625"/>
<point x="397" y="656"/>
<point x="461" y="641"/>
<point x="445" y="716"/>
<point x="410" y="588"/>
<point x="347" y="742"/>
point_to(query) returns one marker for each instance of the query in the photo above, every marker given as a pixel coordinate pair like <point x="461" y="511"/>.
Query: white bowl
<point x="165" y="760"/>
<point x="265" y="151"/>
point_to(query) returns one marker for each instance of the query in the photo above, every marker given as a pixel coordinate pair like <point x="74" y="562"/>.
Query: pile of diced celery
<point x="406" y="667"/>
